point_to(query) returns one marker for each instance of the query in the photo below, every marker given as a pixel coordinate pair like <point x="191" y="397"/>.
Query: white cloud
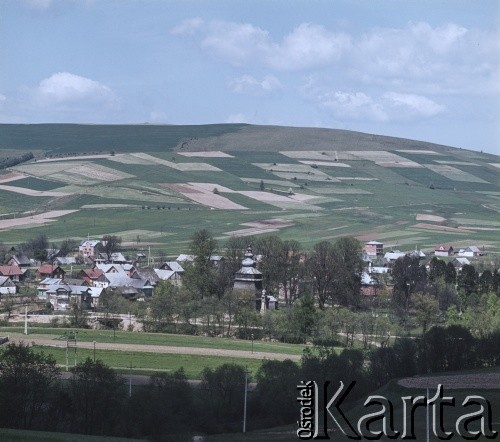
<point x="64" y="87"/>
<point x="241" y="44"/>
<point x="417" y="58"/>
<point x="411" y="104"/>
<point x="188" y="27"/>
<point x="309" y="45"/>
<point x="238" y="118"/>
<point x="238" y="44"/>
<point x="358" y="105"/>
<point x="251" y="86"/>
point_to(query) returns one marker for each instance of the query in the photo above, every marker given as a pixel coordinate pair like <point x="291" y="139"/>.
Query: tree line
<point x="96" y="400"/>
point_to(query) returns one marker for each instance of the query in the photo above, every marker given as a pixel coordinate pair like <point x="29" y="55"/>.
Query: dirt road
<point x="18" y="337"/>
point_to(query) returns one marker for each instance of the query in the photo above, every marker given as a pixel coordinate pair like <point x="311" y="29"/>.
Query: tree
<point x="450" y="276"/>
<point x="305" y="315"/>
<point x="26" y="380"/>
<point x="169" y="406"/>
<point x="110" y="244"/>
<point x="67" y="246"/>
<point x="426" y="309"/>
<point x="200" y="276"/>
<point x="78" y="315"/>
<point x="486" y="282"/>
<point x="348" y="266"/>
<point x="96" y="393"/>
<point x="223" y="388"/>
<point x="320" y="267"/>
<point x="292" y="270"/>
<point x="164" y="304"/>
<point x="36" y="247"/>
<point x="276" y="398"/>
<point x="467" y="283"/>
<point x="261" y="185"/>
<point x="270" y="247"/>
<point x="437" y="269"/>
<point x="408" y="277"/>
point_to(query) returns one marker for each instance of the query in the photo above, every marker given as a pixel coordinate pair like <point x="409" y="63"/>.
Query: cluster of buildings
<point x="135" y="280"/>
<point x="378" y="261"/>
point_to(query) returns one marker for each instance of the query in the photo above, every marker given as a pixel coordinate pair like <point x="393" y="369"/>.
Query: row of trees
<point x="95" y="399"/>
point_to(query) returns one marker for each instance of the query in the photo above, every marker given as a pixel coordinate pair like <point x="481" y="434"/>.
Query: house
<point x="393" y="255"/>
<point x="15" y="273"/>
<point x="146" y="273"/>
<point x="119" y="281"/>
<point x="7" y="286"/>
<point x="52" y="254"/>
<point x="172" y="265"/>
<point x="65" y="260"/>
<point x="112" y="268"/>
<point x="470" y="252"/>
<point x="61" y="295"/>
<point x="115" y="258"/>
<point x="169" y="275"/>
<point x="416" y="254"/>
<point x="171" y="271"/>
<point x="374" y="248"/>
<point x="183" y="258"/>
<point x="458" y="263"/>
<point x="20" y="261"/>
<point x="369" y="284"/>
<point x="93" y="278"/>
<point x="443" y="250"/>
<point x="89" y="248"/>
<point x="50" y="271"/>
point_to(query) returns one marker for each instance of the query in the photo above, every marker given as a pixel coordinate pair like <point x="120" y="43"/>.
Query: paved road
<point x="17" y="337"/>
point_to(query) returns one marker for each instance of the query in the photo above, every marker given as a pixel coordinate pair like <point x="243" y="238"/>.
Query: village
<point x="84" y="275"/>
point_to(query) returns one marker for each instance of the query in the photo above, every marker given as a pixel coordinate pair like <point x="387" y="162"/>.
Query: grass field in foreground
<point x="122" y="337"/>
<point x="148" y="363"/>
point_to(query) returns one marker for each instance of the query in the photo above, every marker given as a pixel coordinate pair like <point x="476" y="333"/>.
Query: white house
<point x="470" y="252"/>
<point x="88" y="248"/>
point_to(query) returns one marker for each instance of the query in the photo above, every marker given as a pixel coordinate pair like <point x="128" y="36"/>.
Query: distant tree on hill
<point x="110" y="244"/>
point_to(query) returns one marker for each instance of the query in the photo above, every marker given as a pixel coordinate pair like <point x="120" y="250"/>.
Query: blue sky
<point x="425" y="70"/>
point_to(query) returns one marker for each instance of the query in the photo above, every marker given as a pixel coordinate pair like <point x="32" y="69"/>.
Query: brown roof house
<point x="443" y="250"/>
<point x="50" y="271"/>
<point x="13" y="272"/>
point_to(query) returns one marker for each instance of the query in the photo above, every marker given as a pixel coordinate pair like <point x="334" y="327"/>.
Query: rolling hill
<point x="155" y="185"/>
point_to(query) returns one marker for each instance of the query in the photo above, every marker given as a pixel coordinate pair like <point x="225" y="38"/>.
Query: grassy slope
<point x="383" y="207"/>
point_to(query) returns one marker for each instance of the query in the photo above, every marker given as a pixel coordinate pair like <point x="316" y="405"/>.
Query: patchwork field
<point x="160" y="184"/>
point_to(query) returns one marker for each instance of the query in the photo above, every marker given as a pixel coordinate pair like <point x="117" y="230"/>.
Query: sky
<point x="424" y="70"/>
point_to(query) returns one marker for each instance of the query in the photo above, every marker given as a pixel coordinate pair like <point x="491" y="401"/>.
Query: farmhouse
<point x="458" y="263"/>
<point x="93" y="277"/>
<point x="49" y="271"/>
<point x="20" y="261"/>
<point x="88" y="248"/>
<point x="65" y="260"/>
<point x="443" y="250"/>
<point x="13" y="272"/>
<point x="61" y="295"/>
<point x="374" y="248"/>
<point x="7" y="286"/>
<point x="470" y="252"/>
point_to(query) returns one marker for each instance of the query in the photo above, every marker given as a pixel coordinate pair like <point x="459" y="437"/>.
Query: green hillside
<point x="155" y="185"/>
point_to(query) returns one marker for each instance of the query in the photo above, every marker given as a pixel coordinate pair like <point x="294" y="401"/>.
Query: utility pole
<point x="26" y="319"/>
<point x="245" y="403"/>
<point x="130" y="380"/>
